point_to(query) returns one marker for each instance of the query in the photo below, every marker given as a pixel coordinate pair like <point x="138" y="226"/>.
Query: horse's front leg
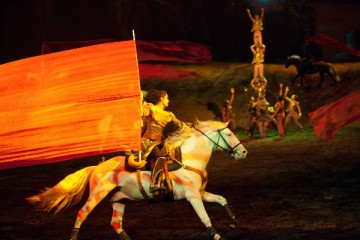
<point x="210" y="197"/>
<point x="195" y="199"/>
<point x="295" y="78"/>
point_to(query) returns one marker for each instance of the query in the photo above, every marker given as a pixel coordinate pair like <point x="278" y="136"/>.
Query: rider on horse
<point x="155" y="119"/>
<point x="308" y="62"/>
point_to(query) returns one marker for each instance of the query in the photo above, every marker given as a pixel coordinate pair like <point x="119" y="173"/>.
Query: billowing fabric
<point x="73" y="103"/>
<point x="324" y="40"/>
<point x="327" y="119"/>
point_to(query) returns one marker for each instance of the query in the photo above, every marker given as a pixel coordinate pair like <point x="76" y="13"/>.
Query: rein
<point x="203" y="177"/>
<point x="230" y="149"/>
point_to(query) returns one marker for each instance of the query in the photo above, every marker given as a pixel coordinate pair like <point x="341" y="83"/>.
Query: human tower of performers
<point x="260" y="115"/>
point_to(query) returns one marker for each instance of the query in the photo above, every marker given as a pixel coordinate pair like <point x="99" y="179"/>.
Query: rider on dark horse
<point x="309" y="61"/>
<point x="307" y="64"/>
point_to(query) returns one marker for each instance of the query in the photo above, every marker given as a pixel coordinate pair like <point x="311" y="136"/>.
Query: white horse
<point x="188" y="182"/>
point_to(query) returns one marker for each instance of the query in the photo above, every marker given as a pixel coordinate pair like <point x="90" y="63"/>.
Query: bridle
<point x="230" y="149"/>
<point x="217" y="146"/>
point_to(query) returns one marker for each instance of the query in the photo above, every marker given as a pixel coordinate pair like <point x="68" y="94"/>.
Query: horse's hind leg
<point x="210" y="197"/>
<point x="84" y="212"/>
<point x="333" y="77"/>
<point x="118" y="214"/>
<point x="117" y="220"/>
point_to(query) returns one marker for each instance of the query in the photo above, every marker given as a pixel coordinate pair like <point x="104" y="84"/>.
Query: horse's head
<point x="292" y="60"/>
<point x="221" y="137"/>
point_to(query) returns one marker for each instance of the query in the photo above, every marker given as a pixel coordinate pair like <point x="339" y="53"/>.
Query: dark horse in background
<point x="305" y="66"/>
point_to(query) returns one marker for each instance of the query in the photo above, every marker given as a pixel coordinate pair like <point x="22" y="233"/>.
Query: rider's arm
<point x="174" y="119"/>
<point x="146" y="109"/>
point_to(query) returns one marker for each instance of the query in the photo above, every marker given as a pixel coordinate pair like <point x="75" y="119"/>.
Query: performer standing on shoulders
<point x="258" y="82"/>
<point x="257" y="26"/>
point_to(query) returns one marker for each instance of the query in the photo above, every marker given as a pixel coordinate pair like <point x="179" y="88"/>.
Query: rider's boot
<point x="156" y="188"/>
<point x="155" y="173"/>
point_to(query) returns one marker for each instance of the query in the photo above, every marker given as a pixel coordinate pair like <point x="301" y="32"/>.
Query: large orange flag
<point x="74" y="103"/>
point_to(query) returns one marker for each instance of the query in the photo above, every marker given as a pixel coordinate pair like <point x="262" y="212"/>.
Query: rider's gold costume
<point x="156" y="119"/>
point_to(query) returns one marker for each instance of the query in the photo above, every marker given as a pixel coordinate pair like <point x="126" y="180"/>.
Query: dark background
<point x="298" y="188"/>
<point x="223" y="24"/>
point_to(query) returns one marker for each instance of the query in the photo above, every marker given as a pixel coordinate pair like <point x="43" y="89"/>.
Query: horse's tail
<point x="333" y="71"/>
<point x="66" y="193"/>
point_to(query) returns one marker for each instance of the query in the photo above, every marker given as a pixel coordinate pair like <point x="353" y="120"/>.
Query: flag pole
<point x="141" y="96"/>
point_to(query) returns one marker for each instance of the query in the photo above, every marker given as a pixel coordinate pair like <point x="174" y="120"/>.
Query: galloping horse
<point x="188" y="182"/>
<point x="302" y="68"/>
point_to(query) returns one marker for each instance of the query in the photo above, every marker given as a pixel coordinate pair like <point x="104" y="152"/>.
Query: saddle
<point x="160" y="164"/>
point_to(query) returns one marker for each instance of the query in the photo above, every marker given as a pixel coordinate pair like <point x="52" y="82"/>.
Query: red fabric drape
<point x="150" y="51"/>
<point x="178" y="51"/>
<point x="322" y="39"/>
<point x="327" y="119"/>
<point x="68" y="104"/>
<point x="162" y="71"/>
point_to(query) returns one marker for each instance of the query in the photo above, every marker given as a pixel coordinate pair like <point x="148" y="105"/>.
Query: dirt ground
<point x="298" y="188"/>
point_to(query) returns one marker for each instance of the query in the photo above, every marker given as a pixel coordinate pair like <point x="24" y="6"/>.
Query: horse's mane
<point x="209" y="125"/>
<point x="176" y="138"/>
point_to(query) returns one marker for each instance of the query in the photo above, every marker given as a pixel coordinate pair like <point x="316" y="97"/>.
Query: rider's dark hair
<point x="153" y="96"/>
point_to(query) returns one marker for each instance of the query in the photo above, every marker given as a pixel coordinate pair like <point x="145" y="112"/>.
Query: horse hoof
<point x="123" y="236"/>
<point x="74" y="234"/>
